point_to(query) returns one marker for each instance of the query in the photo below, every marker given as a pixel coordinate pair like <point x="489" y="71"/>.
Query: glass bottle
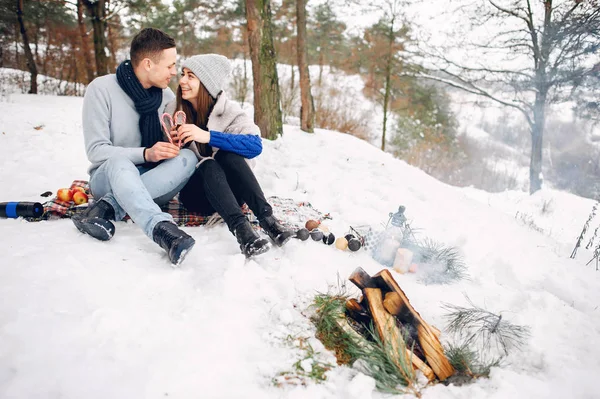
<point x="391" y="238"/>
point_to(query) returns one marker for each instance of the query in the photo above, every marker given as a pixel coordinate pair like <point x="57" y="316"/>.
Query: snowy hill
<point x="85" y="319"/>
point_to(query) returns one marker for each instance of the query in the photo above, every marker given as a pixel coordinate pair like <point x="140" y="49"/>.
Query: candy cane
<point x="167" y="124"/>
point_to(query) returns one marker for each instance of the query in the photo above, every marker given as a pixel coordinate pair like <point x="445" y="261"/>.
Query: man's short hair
<point x="149" y="43"/>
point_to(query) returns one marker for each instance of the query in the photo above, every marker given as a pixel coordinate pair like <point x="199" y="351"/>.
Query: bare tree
<point x="386" y="40"/>
<point x="540" y="53"/>
<point x="307" y="110"/>
<point x="28" y="54"/>
<point x="267" y="111"/>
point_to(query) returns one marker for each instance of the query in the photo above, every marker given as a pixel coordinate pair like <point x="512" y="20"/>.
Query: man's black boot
<point x="175" y="241"/>
<point x="279" y="234"/>
<point x="250" y="242"/>
<point x="96" y="221"/>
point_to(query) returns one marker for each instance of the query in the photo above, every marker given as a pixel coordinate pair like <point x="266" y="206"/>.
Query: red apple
<point x="77" y="188"/>
<point x="80" y="197"/>
<point x="64" y="194"/>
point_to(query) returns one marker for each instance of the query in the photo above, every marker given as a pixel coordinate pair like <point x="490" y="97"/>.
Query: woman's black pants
<point x="223" y="185"/>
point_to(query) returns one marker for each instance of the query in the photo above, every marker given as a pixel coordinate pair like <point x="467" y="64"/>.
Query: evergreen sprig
<point x="370" y="354"/>
<point x="388" y="369"/>
<point x="446" y="264"/>
<point x="478" y="327"/>
<point x="328" y="311"/>
<point x="467" y="361"/>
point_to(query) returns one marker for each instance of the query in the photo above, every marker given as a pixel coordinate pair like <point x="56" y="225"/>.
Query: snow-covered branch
<point x="470" y="87"/>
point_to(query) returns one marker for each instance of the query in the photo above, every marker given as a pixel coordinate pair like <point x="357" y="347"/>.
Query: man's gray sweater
<point x="111" y="122"/>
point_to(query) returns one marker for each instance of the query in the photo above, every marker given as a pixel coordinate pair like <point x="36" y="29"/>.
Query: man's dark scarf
<point x="147" y="102"/>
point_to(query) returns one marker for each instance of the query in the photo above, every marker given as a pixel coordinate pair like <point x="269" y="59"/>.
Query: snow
<point x="82" y="318"/>
<point x="12" y="80"/>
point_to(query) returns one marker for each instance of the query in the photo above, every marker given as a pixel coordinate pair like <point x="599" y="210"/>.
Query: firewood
<point x="358" y="313"/>
<point x="421" y="365"/>
<point x="389" y="333"/>
<point x="361" y="279"/>
<point x="353" y="305"/>
<point x="399" y="306"/>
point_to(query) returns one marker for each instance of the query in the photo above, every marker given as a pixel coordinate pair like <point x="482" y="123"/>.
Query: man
<point x="132" y="168"/>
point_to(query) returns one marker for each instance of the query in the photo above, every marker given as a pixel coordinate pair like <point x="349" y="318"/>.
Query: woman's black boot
<point x="250" y="242"/>
<point x="279" y="234"/>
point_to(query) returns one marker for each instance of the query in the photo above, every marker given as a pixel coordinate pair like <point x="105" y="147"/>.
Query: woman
<point x="225" y="139"/>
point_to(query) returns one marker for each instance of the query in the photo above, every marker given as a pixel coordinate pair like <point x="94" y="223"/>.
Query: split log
<point x="354" y="306"/>
<point x="361" y="279"/>
<point x="398" y="305"/>
<point x="359" y="316"/>
<point x="389" y="333"/>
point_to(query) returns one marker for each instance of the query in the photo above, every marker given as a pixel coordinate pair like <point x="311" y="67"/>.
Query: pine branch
<point x="468" y="362"/>
<point x="484" y="329"/>
<point x="446" y="264"/>
<point x="389" y="371"/>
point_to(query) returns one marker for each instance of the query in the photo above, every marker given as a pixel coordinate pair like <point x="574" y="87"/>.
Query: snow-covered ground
<point x="86" y="319"/>
<point x="14" y="80"/>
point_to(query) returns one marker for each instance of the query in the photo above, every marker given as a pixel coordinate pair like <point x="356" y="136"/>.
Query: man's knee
<point x="188" y="160"/>
<point x="187" y="156"/>
<point x="118" y="165"/>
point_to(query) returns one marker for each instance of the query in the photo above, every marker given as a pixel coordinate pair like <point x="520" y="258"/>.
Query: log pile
<point x="398" y="325"/>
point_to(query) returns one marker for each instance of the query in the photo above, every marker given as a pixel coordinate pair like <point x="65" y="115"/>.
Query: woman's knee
<point x="226" y="157"/>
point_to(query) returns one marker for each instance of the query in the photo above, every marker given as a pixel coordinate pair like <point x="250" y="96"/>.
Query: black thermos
<point x="24" y="209"/>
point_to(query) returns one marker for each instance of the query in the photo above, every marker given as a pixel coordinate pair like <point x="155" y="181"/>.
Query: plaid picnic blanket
<point x="291" y="213"/>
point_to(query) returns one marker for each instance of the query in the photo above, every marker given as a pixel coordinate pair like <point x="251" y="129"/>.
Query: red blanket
<point x="293" y="214"/>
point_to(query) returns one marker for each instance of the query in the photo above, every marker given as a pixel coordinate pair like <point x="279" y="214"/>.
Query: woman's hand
<point x="189" y="132"/>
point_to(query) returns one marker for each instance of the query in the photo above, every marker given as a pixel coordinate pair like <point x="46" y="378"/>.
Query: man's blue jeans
<point x="138" y="191"/>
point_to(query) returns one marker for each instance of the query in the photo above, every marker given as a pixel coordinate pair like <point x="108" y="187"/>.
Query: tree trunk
<point x="17" y="46"/>
<point x="539" y="108"/>
<point x="97" y="11"/>
<point x="85" y="46"/>
<point x="112" y="45"/>
<point x="267" y="110"/>
<point x="320" y="66"/>
<point x="29" y="56"/>
<point x="537" y="135"/>
<point x="388" y="82"/>
<point x="307" y="110"/>
<point x="386" y="99"/>
<point x="36" y="40"/>
<point x="245" y="78"/>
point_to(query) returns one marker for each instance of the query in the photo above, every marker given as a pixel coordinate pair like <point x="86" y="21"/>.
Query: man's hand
<point x="160" y="151"/>
<point x="189" y="132"/>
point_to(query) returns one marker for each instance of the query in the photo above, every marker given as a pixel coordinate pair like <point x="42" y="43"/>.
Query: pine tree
<point x="267" y="111"/>
<point x="307" y="111"/>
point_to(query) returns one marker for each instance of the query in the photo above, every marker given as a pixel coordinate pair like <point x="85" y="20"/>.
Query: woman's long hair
<point x="199" y="118"/>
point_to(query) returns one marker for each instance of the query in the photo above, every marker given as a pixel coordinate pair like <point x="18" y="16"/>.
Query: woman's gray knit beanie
<point x="212" y="69"/>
